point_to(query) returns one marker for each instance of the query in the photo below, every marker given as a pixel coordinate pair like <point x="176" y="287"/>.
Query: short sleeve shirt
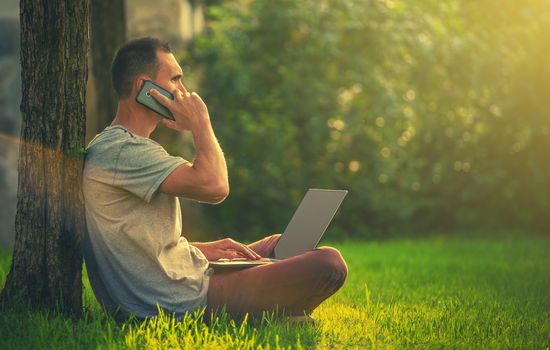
<point x="136" y="257"/>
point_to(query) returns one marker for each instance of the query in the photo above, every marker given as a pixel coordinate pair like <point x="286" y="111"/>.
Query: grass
<point x="435" y="292"/>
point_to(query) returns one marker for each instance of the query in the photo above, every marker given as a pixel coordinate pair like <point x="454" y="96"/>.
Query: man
<point x="136" y="256"/>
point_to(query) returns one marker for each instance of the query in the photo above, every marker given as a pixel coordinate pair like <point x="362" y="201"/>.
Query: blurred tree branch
<point x="108" y="32"/>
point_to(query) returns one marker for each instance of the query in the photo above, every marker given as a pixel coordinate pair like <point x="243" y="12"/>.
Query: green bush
<point x="431" y="113"/>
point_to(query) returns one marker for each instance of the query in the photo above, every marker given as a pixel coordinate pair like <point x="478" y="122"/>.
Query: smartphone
<point x="145" y="98"/>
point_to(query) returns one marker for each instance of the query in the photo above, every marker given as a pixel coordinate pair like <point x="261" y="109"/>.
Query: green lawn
<point x="434" y="292"/>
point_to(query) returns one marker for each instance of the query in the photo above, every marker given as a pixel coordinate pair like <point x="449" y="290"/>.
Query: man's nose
<point x="182" y="88"/>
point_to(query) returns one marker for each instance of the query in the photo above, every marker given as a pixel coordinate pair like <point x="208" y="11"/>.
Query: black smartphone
<point x="145" y="98"/>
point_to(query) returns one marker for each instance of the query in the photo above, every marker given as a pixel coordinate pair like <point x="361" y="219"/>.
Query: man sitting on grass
<point x="136" y="256"/>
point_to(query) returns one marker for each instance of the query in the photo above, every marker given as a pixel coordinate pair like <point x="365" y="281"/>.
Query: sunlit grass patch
<point x="427" y="293"/>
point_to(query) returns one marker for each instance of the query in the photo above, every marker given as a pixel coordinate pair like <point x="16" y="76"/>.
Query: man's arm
<point x="205" y="180"/>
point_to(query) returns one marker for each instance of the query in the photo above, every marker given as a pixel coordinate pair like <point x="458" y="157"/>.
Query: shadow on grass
<point x="98" y="329"/>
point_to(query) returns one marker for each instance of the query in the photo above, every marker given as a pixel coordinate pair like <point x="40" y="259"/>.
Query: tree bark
<point x="108" y="32"/>
<point x="45" y="273"/>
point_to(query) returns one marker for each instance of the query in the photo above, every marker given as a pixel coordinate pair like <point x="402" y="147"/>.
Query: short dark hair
<point x="133" y="58"/>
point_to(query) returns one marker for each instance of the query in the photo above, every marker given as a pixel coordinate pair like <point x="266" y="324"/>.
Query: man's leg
<point x="295" y="285"/>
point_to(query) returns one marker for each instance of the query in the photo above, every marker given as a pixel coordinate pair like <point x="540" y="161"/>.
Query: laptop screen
<point x="309" y="222"/>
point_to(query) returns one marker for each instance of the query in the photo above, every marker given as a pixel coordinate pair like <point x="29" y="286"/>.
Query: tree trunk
<point x="46" y="267"/>
<point x="108" y="32"/>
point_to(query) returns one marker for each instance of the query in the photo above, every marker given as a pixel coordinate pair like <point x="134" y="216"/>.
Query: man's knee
<point x="330" y="263"/>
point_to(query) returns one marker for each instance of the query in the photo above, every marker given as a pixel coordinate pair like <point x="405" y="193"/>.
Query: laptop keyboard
<point x="245" y="259"/>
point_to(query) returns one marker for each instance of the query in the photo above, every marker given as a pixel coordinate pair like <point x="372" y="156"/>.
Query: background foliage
<point x="431" y="113"/>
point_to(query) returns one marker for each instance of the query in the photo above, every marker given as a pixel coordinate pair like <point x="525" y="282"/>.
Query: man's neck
<point x="135" y="118"/>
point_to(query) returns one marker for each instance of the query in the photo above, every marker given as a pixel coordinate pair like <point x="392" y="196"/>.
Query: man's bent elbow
<point x="219" y="194"/>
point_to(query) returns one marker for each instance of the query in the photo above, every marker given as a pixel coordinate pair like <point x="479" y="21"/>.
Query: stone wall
<point x="174" y="20"/>
<point x="10" y="123"/>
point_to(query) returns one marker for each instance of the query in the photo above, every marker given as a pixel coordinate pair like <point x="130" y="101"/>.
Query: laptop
<point x="303" y="232"/>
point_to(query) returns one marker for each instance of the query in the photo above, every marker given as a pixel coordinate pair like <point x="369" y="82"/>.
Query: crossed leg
<point x="295" y="286"/>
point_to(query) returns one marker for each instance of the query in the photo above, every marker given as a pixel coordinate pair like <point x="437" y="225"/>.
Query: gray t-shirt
<point x="135" y="255"/>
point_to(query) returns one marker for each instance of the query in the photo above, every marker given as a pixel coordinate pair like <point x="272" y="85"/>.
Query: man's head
<point x="142" y="59"/>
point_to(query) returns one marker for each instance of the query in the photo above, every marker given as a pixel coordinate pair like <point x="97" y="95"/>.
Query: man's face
<point x="169" y="74"/>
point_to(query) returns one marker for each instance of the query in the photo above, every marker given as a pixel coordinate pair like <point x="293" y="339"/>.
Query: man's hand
<point x="226" y="248"/>
<point x="188" y="109"/>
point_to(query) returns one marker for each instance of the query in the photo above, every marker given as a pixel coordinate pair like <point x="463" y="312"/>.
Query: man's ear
<point x="139" y="82"/>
